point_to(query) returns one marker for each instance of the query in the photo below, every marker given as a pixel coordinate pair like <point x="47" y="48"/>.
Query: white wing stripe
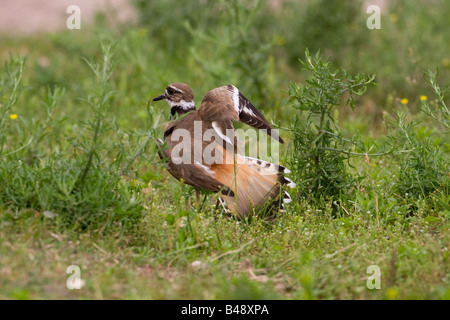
<point x="249" y="112"/>
<point x="207" y="169"/>
<point x="220" y="133"/>
<point x="236" y="99"/>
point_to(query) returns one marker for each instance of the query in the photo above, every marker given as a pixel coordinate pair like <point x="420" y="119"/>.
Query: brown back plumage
<point x="244" y="183"/>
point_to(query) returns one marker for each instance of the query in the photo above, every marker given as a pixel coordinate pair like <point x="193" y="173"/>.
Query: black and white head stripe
<point x="172" y="89"/>
<point x="182" y="104"/>
<point x="249" y="114"/>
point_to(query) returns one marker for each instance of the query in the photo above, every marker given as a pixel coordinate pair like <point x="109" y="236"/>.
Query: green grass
<point x="307" y="256"/>
<point x="81" y="183"/>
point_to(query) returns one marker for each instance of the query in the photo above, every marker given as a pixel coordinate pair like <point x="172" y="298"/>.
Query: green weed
<point x="80" y="183"/>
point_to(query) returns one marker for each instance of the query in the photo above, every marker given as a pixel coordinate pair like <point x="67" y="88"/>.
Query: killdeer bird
<point x="243" y="183"/>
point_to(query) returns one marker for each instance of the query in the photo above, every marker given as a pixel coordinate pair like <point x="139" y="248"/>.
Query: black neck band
<point x="178" y="110"/>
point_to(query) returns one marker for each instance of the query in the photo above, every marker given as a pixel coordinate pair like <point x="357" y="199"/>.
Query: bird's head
<point x="180" y="98"/>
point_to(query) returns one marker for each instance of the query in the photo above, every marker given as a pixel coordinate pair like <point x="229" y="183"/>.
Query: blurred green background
<point x="135" y="230"/>
<point x="252" y="44"/>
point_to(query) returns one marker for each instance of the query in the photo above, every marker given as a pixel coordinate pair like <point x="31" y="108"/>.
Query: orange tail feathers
<point x="256" y="185"/>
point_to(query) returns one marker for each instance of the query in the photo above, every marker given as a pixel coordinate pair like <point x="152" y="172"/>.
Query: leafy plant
<point x="321" y="150"/>
<point x="98" y="100"/>
<point x="423" y="167"/>
<point x="80" y="191"/>
<point x="441" y="112"/>
<point x="10" y="80"/>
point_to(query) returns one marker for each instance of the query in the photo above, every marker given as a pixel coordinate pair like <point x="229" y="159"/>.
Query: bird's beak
<point x="161" y="97"/>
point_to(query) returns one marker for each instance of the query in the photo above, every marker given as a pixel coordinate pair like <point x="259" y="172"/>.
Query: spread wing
<point x="250" y="115"/>
<point x="195" y="174"/>
<point x="223" y="105"/>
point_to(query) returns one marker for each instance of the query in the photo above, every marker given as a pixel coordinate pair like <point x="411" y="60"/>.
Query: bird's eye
<point x="170" y="91"/>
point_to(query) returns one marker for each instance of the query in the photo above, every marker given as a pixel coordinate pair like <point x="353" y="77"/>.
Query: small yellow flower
<point x="392" y="293"/>
<point x="446" y="62"/>
<point x="423" y="98"/>
<point x="393" y="17"/>
<point x="280" y="41"/>
<point x="404" y="101"/>
<point x="142" y="32"/>
<point x="13" y="116"/>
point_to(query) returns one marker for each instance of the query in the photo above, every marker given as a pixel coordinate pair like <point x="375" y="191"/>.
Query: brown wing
<point x="250" y="115"/>
<point x="195" y="174"/>
<point x="226" y="104"/>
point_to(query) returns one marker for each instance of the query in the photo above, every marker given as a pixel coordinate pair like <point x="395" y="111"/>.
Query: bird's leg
<point x="197" y="195"/>
<point x="224" y="207"/>
<point x="217" y="205"/>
